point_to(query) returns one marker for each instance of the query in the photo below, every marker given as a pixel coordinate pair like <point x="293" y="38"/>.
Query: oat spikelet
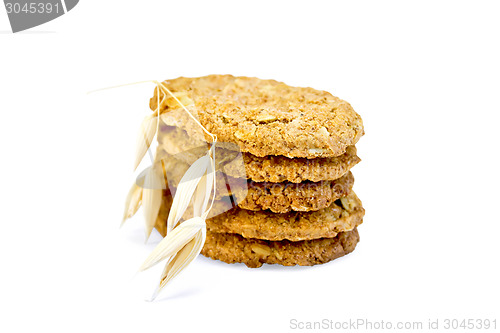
<point x="146" y="135"/>
<point x="133" y="202"/>
<point x="152" y="195"/>
<point x="186" y="190"/>
<point x="183" y="258"/>
<point x="174" y="241"/>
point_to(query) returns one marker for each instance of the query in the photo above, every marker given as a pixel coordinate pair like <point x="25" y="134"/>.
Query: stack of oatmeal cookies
<point x="284" y="186"/>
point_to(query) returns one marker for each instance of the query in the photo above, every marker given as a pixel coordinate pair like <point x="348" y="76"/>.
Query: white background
<point x="424" y="75"/>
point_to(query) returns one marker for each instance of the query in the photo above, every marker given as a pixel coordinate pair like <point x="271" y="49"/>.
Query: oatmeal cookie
<point x="263" y="117"/>
<point x="302" y="197"/>
<point x="343" y="215"/>
<point x="232" y="248"/>
<point x="175" y="142"/>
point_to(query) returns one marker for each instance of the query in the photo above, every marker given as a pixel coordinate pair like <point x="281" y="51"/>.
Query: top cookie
<point x="265" y="117"/>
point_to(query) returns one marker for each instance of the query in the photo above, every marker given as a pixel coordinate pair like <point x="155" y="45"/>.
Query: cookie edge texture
<point x="233" y="248"/>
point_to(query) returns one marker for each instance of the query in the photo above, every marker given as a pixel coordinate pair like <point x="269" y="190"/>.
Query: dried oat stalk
<point x="184" y="240"/>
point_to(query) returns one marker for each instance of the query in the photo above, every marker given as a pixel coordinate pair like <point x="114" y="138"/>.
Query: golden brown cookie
<point x="278" y="169"/>
<point x="232" y="248"/>
<point x="343" y="215"/>
<point x="264" y="117"/>
<point x="284" y="197"/>
<point x="275" y="169"/>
